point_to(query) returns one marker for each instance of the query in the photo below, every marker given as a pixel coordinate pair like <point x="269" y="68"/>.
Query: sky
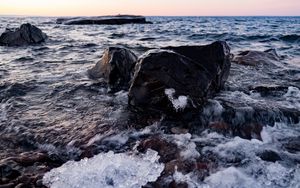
<point x="151" y="7"/>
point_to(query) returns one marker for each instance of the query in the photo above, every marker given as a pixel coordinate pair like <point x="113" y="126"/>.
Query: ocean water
<point x="48" y="103"/>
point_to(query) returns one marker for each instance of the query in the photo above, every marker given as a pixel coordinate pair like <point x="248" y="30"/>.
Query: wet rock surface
<point x="27" y="34"/>
<point x="256" y="58"/>
<point x="116" y="67"/>
<point x="192" y="79"/>
<point x="51" y="112"/>
<point x="103" y="20"/>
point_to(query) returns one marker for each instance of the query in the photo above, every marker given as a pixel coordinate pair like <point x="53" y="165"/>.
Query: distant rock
<point x="27" y="34"/>
<point x="116" y="67"/>
<point x="255" y="58"/>
<point x="103" y="20"/>
<point x="179" y="77"/>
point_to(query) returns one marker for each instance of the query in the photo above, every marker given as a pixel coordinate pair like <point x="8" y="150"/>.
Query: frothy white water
<point x="240" y="164"/>
<point x="106" y="171"/>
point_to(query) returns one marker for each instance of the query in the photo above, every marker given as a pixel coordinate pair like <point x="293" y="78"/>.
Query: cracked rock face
<point x="27" y="34"/>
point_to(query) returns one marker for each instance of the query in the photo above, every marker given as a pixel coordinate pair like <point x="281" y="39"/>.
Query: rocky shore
<point x="171" y="93"/>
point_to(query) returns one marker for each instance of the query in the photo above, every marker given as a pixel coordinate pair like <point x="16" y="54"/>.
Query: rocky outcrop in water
<point x="116" y="67"/>
<point x="179" y="77"/>
<point x="103" y="20"/>
<point x="255" y="58"/>
<point x="27" y="34"/>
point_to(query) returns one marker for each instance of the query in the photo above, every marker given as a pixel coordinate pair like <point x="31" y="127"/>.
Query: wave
<point x="290" y="38"/>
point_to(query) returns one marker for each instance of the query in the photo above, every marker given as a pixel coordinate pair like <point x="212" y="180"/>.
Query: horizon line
<point x="18" y="15"/>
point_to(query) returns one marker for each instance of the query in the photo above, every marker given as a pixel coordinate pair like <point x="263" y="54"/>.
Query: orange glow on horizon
<point x="150" y="7"/>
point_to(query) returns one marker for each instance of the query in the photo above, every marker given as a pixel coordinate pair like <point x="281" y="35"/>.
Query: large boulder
<point x="179" y="77"/>
<point x="116" y="67"/>
<point x="103" y="20"/>
<point x="27" y="34"/>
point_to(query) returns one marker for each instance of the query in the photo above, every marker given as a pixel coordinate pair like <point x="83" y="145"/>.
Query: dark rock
<point x="24" y="179"/>
<point x="178" y="130"/>
<point x="293" y="145"/>
<point x="197" y="72"/>
<point x="116" y="66"/>
<point x="269" y="155"/>
<point x="103" y="20"/>
<point x="8" y="171"/>
<point x="214" y="58"/>
<point x="180" y="165"/>
<point x="220" y="127"/>
<point x="27" y="34"/>
<point x="246" y="130"/>
<point x="255" y="58"/>
<point x="167" y="151"/>
<point x="266" y="90"/>
<point x="28" y="159"/>
<point x="8" y="185"/>
<point x="175" y="184"/>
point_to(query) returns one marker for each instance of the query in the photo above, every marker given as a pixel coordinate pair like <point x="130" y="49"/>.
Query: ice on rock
<point x="179" y="103"/>
<point x="107" y="170"/>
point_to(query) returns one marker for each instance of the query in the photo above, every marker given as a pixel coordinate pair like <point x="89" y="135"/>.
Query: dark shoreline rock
<point x="27" y="34"/>
<point x="191" y="74"/>
<point x="116" y="67"/>
<point x="103" y="20"/>
<point x="255" y="58"/>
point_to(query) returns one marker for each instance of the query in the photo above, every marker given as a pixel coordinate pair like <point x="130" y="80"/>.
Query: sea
<point x="49" y="104"/>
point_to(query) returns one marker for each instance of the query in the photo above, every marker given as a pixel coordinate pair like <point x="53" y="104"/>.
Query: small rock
<point x="178" y="130"/>
<point x="255" y="58"/>
<point x="116" y="67"/>
<point x="166" y="150"/>
<point x="269" y="155"/>
<point x="7" y="171"/>
<point x="293" y="145"/>
<point x="175" y="184"/>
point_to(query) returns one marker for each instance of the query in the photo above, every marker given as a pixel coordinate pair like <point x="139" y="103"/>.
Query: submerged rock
<point x="116" y="66"/>
<point x="27" y="34"/>
<point x="103" y="20"/>
<point x="183" y="77"/>
<point x="269" y="155"/>
<point x="254" y="58"/>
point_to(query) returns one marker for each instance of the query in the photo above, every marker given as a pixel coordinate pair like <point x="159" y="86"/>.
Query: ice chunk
<point x="107" y="170"/>
<point x="179" y="103"/>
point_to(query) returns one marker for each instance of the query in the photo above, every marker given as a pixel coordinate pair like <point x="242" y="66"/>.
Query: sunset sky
<point x="150" y="7"/>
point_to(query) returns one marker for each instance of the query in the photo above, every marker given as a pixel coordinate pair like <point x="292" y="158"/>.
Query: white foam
<point x="293" y="92"/>
<point x="188" y="178"/>
<point x="178" y="103"/>
<point x="186" y="145"/>
<point x="120" y="139"/>
<point x="230" y="177"/>
<point x="107" y="170"/>
<point x="213" y="108"/>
